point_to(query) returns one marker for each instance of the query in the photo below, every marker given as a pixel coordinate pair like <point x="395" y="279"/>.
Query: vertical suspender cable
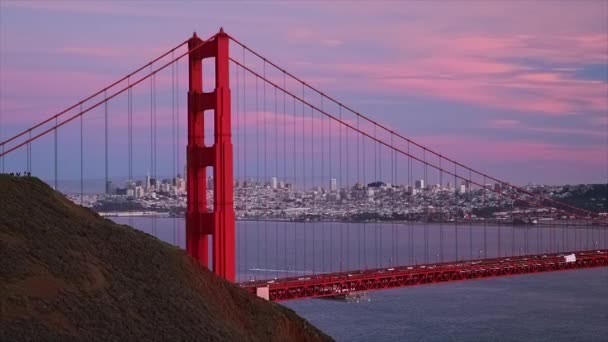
<point x="339" y="182"/>
<point x="322" y="180"/>
<point x="512" y="228"/>
<point x="364" y="165"/>
<point x="173" y="141"/>
<point x="485" y="221"/>
<point x="304" y="225"/>
<point x="359" y="237"/>
<point x="245" y="189"/>
<point x="56" y="167"/>
<point x="393" y="204"/>
<point x="276" y="174"/>
<point x="499" y="254"/>
<point x="347" y="193"/>
<point x="295" y="245"/>
<point x="380" y="226"/>
<point x="441" y="218"/>
<point x="105" y="115"/>
<point x="130" y="149"/>
<point x="409" y="202"/>
<point x="312" y="178"/>
<point x="588" y="230"/>
<point x="29" y="152"/>
<point x="284" y="170"/>
<point x="176" y="173"/>
<point x="331" y="176"/>
<point x="375" y="180"/>
<point x="177" y="140"/>
<point x="152" y="143"/>
<point x="538" y="240"/>
<point x="257" y="162"/>
<point x="81" y="161"/>
<point x="470" y="195"/>
<point x="426" y="218"/>
<point x="265" y="163"/>
<point x="238" y="237"/>
<point x="563" y="247"/>
<point x="456" y="218"/>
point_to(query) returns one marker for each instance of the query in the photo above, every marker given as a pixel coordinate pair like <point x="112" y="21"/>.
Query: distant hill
<point x="67" y="274"/>
<point x="592" y="197"/>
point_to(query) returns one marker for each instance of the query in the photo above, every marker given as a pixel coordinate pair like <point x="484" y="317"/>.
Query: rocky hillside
<point x="67" y="274"/>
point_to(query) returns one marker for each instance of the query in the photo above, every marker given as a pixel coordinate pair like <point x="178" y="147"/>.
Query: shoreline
<point x="154" y="214"/>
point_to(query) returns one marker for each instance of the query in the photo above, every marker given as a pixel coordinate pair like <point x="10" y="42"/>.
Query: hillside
<point x="68" y="274"/>
<point x="592" y="197"/>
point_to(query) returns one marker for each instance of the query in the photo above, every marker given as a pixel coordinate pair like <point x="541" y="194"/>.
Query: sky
<point x="518" y="89"/>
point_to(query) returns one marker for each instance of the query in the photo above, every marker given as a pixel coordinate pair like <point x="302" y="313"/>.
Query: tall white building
<point x="139" y="192"/>
<point x="274" y="182"/>
<point x="333" y="185"/>
<point x="463" y="188"/>
<point x="465" y="184"/>
<point x="420" y="184"/>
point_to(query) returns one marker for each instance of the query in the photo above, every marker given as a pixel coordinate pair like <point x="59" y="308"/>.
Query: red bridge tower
<point x="200" y="223"/>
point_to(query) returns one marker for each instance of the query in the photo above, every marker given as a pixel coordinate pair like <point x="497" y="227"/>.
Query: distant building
<point x="333" y="185"/>
<point x="466" y="184"/>
<point x="410" y="190"/>
<point x="148" y="183"/>
<point x="110" y="188"/>
<point x="139" y="192"/>
<point x="274" y="183"/>
<point x="180" y="183"/>
<point x="358" y="186"/>
<point x="420" y="184"/>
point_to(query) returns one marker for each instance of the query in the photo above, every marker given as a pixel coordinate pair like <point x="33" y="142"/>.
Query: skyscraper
<point x="333" y="184"/>
<point x="420" y="184"/>
<point x="147" y="185"/>
<point x="109" y="188"/>
<point x="274" y="182"/>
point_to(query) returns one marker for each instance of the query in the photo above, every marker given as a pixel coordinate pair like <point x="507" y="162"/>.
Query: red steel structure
<point x="344" y="283"/>
<point x="219" y="224"/>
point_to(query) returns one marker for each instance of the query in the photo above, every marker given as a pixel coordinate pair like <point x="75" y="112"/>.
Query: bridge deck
<point x="336" y="284"/>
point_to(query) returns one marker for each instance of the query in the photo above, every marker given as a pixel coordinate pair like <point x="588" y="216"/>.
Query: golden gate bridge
<point x="249" y="120"/>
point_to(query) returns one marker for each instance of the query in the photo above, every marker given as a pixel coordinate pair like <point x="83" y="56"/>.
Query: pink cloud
<point x="90" y="51"/>
<point x="504" y="123"/>
<point x="478" y="63"/>
<point x="516" y="151"/>
<point x="519" y="126"/>
<point x="541" y="77"/>
<point x="498" y="85"/>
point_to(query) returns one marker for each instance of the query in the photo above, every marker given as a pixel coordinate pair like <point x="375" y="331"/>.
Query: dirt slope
<point x="68" y="274"/>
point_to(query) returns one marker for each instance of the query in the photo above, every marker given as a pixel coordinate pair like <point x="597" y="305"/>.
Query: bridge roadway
<point x="345" y="283"/>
